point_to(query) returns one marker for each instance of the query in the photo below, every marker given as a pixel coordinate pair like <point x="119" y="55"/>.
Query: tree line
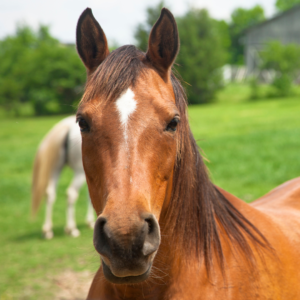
<point x="37" y="70"/>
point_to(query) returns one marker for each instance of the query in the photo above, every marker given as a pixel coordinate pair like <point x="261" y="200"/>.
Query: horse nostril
<point x="100" y="224"/>
<point x="150" y="225"/>
<point x="101" y="236"/>
<point x="102" y="221"/>
<point x="152" y="239"/>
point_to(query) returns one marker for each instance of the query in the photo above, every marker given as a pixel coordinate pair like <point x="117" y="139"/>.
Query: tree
<point x="283" y="5"/>
<point x="142" y="31"/>
<point x="36" y="68"/>
<point x="285" y="61"/>
<point x="13" y="61"/>
<point x="223" y="31"/>
<point x="242" y="19"/>
<point x="201" y="55"/>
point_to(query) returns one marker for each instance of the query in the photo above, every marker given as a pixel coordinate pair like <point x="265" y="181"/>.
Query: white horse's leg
<point x="72" y="194"/>
<point x="51" y="196"/>
<point x="90" y="217"/>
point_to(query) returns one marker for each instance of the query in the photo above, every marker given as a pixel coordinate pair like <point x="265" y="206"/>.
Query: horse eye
<point x="84" y="127"/>
<point x="172" y="125"/>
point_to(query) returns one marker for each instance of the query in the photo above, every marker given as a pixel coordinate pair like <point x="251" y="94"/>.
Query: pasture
<point x="251" y="147"/>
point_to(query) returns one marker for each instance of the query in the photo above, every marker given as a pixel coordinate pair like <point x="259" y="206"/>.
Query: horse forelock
<point x="115" y="74"/>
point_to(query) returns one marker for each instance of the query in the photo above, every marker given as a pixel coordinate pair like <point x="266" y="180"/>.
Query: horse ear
<point x="163" y="43"/>
<point x="91" y="41"/>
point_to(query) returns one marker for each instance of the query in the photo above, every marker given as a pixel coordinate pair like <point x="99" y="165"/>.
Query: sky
<point x="118" y="18"/>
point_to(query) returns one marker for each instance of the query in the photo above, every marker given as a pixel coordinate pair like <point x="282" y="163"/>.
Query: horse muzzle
<point x="127" y="249"/>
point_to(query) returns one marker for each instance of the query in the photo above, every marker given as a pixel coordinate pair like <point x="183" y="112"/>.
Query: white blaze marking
<point x="126" y="105"/>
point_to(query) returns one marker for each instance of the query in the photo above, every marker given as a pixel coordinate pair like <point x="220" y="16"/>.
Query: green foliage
<point x="223" y="31"/>
<point x="142" y="31"/>
<point x="201" y="55"/>
<point x="285" y="61"/>
<point x="242" y="19"/>
<point x="283" y="5"/>
<point x="281" y="58"/>
<point x="37" y="69"/>
<point x="282" y="86"/>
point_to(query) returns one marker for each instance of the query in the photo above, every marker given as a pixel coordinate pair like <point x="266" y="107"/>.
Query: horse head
<point x="129" y="122"/>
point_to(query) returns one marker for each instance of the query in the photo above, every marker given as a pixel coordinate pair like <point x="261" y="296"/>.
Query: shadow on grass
<point x="59" y="233"/>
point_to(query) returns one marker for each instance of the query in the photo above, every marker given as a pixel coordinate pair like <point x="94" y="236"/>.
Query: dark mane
<point x="198" y="212"/>
<point x="201" y="211"/>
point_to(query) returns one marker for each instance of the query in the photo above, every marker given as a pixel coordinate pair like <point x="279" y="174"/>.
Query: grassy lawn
<point x="251" y="147"/>
<point x="27" y="261"/>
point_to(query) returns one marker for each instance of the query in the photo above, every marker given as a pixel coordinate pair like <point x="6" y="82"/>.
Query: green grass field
<point x="251" y="147"/>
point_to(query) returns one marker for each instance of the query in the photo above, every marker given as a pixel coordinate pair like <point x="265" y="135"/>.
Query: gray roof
<point x="275" y="18"/>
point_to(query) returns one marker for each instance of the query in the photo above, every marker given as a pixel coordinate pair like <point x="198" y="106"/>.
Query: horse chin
<point x="124" y="280"/>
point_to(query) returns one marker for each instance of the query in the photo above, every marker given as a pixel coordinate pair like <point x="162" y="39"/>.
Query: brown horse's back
<point x="285" y="196"/>
<point x="282" y="205"/>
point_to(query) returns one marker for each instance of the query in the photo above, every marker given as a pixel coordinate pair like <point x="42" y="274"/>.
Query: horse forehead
<point x="152" y="84"/>
<point x="143" y="101"/>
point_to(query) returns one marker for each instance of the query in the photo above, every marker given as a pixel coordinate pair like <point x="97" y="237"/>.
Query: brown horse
<point x="164" y="231"/>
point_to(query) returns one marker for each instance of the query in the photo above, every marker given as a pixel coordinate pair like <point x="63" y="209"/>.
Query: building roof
<point x="276" y="17"/>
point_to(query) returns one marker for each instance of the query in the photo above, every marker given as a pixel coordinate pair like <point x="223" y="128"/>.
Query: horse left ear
<point x="163" y="43"/>
<point x="91" y="41"/>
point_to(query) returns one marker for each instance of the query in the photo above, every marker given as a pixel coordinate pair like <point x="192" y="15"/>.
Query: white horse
<point x="60" y="147"/>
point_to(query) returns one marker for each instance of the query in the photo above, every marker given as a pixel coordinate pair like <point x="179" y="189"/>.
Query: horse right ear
<point x="163" y="43"/>
<point x="91" y="41"/>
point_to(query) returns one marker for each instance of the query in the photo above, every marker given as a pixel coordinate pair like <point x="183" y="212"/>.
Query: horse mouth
<point x="124" y="280"/>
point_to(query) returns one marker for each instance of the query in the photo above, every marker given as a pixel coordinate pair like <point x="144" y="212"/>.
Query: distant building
<point x="284" y="27"/>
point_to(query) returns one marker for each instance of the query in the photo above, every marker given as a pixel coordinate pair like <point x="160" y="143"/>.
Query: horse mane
<point x="198" y="212"/>
<point x="201" y="211"/>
